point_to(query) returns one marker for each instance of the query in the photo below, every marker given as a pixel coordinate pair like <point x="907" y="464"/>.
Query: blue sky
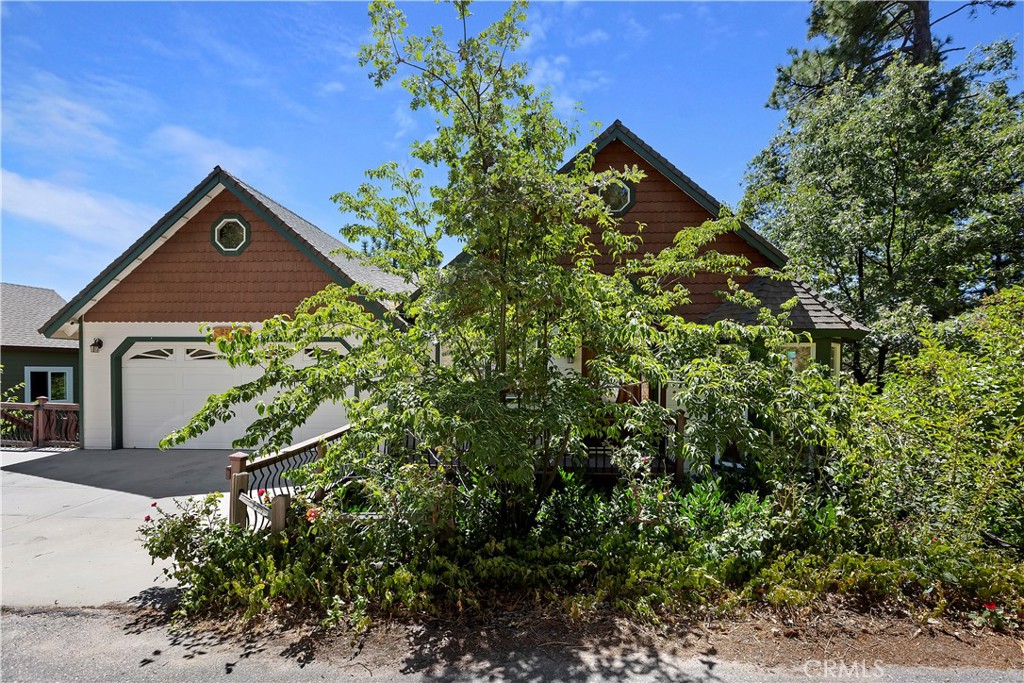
<point x="113" y="111"/>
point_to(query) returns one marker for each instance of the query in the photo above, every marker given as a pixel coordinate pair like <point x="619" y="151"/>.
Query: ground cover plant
<point x="465" y="427"/>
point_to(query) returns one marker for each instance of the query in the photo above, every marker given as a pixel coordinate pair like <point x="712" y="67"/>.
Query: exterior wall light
<point x="96" y="345"/>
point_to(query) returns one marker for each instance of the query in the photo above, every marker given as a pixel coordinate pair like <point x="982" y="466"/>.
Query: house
<point x="46" y="367"/>
<point x="225" y="254"/>
<point x="667" y="200"/>
<point x="229" y="254"/>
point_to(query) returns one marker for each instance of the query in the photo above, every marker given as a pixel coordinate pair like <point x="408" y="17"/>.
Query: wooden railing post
<point x="237" y="462"/>
<point x="237" y="511"/>
<point x="279" y="512"/>
<point x="39" y="422"/>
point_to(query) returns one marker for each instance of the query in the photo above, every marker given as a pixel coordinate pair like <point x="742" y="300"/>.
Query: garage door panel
<point x="163" y="391"/>
<point x="144" y="383"/>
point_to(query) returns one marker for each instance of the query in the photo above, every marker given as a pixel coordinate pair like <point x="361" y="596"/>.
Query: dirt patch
<point x="766" y="640"/>
<point x="522" y="638"/>
<point x="851" y="638"/>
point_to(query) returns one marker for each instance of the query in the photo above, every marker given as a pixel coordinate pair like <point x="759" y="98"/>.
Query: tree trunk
<point x="922" y="49"/>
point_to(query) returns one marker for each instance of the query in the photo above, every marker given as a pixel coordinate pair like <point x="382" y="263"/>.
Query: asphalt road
<point x="95" y="645"/>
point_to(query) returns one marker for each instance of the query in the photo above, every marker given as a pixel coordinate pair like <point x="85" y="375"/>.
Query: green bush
<point x="915" y="499"/>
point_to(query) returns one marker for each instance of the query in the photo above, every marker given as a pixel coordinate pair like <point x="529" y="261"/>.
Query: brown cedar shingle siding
<point x="188" y="280"/>
<point x="666" y="209"/>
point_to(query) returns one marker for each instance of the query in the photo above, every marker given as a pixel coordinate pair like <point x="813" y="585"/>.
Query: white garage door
<point x="164" y="384"/>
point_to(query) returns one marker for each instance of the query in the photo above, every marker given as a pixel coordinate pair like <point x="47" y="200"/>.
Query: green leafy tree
<point x="898" y="198"/>
<point x="463" y="366"/>
<point x="938" y="456"/>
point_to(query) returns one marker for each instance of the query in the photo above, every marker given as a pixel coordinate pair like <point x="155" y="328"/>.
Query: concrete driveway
<point x="70" y="518"/>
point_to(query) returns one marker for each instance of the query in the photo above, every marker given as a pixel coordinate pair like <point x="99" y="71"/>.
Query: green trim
<point x="339" y="340"/>
<point x="692" y="190"/>
<point x="116" y="384"/>
<point x="218" y="177"/>
<point x="832" y="335"/>
<point x="631" y="188"/>
<point x="315" y="256"/>
<point x="246" y="230"/>
<point x="81" y="384"/>
<point x="133" y="253"/>
<point x="823" y="350"/>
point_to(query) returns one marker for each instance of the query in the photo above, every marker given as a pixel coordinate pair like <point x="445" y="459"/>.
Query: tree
<point x="899" y="194"/>
<point x="863" y="38"/>
<point x="461" y="373"/>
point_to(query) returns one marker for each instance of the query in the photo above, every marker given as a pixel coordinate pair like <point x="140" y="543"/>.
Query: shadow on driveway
<point x="142" y="471"/>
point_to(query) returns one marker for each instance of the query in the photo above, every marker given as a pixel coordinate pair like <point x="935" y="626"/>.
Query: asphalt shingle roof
<point x="813" y="312"/>
<point x="23" y="310"/>
<point x="328" y="246"/>
<point x="318" y="241"/>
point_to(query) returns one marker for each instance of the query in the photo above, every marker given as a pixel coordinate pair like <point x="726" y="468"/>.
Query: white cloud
<point x="633" y="29"/>
<point x="548" y="72"/>
<point x="199" y="154"/>
<point x="554" y="73"/>
<point x="404" y="122"/>
<point x="537" y="25"/>
<point x="42" y="115"/>
<point x="92" y="217"/>
<point x="47" y="114"/>
<point x="594" y="37"/>
<point x="715" y="31"/>
<point x="330" y="87"/>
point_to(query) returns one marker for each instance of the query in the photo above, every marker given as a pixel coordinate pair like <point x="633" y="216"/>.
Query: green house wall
<point x="16" y="359"/>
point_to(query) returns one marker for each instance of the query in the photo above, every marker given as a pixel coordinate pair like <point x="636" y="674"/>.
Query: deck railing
<point x="261" y="490"/>
<point x="34" y="425"/>
<point x="270" y="474"/>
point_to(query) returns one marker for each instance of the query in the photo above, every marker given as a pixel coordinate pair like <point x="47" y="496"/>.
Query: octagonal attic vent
<point x="230" y="234"/>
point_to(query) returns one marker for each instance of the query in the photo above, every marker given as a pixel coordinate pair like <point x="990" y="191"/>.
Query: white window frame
<point x="49" y="370"/>
<point x="802" y="345"/>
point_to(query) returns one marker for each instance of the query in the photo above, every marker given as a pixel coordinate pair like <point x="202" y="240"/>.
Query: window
<point x="200" y="354"/>
<point x="230" y="234"/>
<point x="56" y="384"/>
<point x="800" y="356"/>
<point x="154" y="354"/>
<point x="618" y="196"/>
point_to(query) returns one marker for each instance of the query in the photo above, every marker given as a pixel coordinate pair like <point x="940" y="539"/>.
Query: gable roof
<point x="313" y="242"/>
<point x="23" y="309"/>
<point x="812" y="313"/>
<point x="618" y="131"/>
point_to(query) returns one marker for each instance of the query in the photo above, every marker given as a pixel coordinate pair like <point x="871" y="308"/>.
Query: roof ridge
<point x="770" y="292"/>
<point x="17" y="284"/>
<point x="258" y="194"/>
<point x="830" y="305"/>
<point x="619" y="131"/>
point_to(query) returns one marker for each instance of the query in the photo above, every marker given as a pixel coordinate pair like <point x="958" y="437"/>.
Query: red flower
<point x="147" y="518"/>
<point x="990" y="606"/>
<point x="261" y="492"/>
<point x="311" y="514"/>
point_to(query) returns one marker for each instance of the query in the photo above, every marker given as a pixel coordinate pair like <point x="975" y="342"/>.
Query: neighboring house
<point x="46" y="367"/>
<point x="228" y="254"/>
<point x="225" y="254"/>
